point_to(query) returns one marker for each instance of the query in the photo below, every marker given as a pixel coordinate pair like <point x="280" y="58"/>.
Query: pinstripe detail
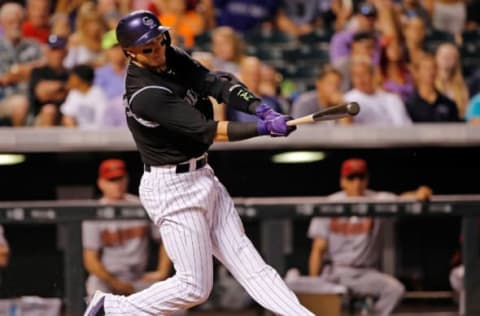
<point x="197" y="220"/>
<point x="140" y="120"/>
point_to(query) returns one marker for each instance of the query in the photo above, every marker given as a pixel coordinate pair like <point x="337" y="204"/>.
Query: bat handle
<point x="301" y="120"/>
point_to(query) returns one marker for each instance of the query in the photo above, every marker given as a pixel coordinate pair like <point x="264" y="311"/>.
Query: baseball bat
<point x="327" y="114"/>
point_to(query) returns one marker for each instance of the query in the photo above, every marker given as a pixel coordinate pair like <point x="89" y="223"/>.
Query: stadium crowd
<point x="403" y="61"/>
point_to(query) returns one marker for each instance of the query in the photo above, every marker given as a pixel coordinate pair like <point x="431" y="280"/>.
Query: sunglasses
<point x="359" y="176"/>
<point x="149" y="50"/>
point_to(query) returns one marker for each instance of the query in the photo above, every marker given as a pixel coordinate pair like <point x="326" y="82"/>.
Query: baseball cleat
<point x="95" y="307"/>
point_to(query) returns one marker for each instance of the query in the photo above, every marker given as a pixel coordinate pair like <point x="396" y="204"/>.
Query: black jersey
<point x="442" y="109"/>
<point x="162" y="109"/>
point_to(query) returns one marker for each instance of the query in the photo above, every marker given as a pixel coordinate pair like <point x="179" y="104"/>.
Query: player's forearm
<point x="233" y="131"/>
<point x="95" y="267"/>
<point x="315" y="264"/>
<point x="4" y="256"/>
<point x="68" y="121"/>
<point x="164" y="262"/>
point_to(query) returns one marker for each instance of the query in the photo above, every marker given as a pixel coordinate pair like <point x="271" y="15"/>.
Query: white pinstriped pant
<point x="197" y="219"/>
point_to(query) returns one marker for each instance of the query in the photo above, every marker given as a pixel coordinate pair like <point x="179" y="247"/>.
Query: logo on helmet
<point x="148" y="22"/>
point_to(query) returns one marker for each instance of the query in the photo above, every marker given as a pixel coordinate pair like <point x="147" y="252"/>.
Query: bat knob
<point x="353" y="108"/>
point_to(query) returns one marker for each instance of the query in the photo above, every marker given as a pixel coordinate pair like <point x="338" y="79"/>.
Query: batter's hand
<point x="276" y="127"/>
<point x="121" y="287"/>
<point x="266" y="113"/>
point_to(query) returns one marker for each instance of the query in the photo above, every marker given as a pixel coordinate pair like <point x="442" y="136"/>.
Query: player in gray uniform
<point x="352" y="244"/>
<point x="4" y="249"/>
<point x="116" y="252"/>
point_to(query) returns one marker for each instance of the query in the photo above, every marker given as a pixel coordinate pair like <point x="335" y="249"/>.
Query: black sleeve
<point x="454" y="110"/>
<point x="241" y="130"/>
<point x="172" y="113"/>
<point x="409" y="105"/>
<point x="34" y="80"/>
<point x="224" y="87"/>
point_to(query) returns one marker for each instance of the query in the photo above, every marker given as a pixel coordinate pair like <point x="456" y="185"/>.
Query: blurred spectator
<point x="414" y="31"/>
<point x="48" y="84"/>
<point x="111" y="79"/>
<point x="204" y="58"/>
<point x="111" y="76"/>
<point x="68" y="6"/>
<point x="449" y="79"/>
<point x="299" y="17"/>
<point x="17" y="58"/>
<point x="116" y="252"/>
<point x="85" y="44"/>
<point x="85" y="104"/>
<point x="353" y="244"/>
<point x="327" y="93"/>
<point x="227" y="48"/>
<point x="473" y="110"/>
<point x="245" y="15"/>
<point x="141" y="5"/>
<point x="427" y="104"/>
<point x="66" y="11"/>
<point x="4" y="249"/>
<point x="250" y="75"/>
<point x="447" y="15"/>
<point x="363" y="46"/>
<point x="112" y="11"/>
<point x="186" y="23"/>
<point x="394" y="73"/>
<point x="364" y="21"/>
<point x="408" y="9"/>
<point x="473" y="82"/>
<point x="37" y="25"/>
<point x="377" y="107"/>
<point x="473" y="15"/>
<point x="271" y="85"/>
<point x="60" y="25"/>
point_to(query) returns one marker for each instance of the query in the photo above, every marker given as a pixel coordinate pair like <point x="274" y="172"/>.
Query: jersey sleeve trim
<point x="140" y="120"/>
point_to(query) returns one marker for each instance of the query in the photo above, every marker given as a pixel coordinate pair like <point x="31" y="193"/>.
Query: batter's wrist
<point x="242" y="130"/>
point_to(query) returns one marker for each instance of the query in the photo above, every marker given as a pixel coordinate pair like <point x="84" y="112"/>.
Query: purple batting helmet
<point x="140" y="27"/>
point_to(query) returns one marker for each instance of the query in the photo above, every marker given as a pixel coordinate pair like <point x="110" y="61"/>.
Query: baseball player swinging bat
<point x="330" y="113"/>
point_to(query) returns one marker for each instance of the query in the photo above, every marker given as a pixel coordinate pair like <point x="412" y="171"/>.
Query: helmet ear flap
<point x="168" y="39"/>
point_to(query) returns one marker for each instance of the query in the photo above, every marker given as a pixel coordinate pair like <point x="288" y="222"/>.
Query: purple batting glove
<point x="278" y="126"/>
<point x="266" y="113"/>
<point x="262" y="128"/>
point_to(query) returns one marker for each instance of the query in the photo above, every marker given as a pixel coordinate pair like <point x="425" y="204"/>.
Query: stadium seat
<point x="437" y="37"/>
<point x="472" y="36"/>
<point x="268" y="37"/>
<point x="266" y="54"/>
<point x="203" y="41"/>
<point x="317" y="36"/>
<point x="307" y="55"/>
